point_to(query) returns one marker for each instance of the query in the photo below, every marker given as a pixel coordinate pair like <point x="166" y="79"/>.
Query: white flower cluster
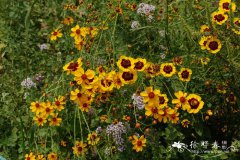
<point x="28" y="83"/>
<point x="145" y="9"/>
<point x="135" y="25"/>
<point x="116" y="131"/>
<point x="138" y="101"/>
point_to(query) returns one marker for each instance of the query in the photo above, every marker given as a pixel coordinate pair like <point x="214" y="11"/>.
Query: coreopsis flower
<point x="40" y="119"/>
<point x="47" y="109"/>
<point x="156" y="69"/>
<point x="118" y="83"/>
<point x="181" y="99"/>
<point x="139" y="64"/>
<point x="227" y="6"/>
<point x="55" y="120"/>
<point x="93" y="31"/>
<point x="93" y="138"/>
<point x="68" y="20"/>
<point x="125" y="63"/>
<point x="30" y="156"/>
<point x="82" y="76"/>
<point x="76" y="32"/>
<point x="36" y="107"/>
<point x="205" y="60"/>
<point x="164" y="114"/>
<point x="195" y="103"/>
<point x="152" y="110"/>
<point x="85" y="106"/>
<point x="203" y="42"/>
<point x="162" y="100"/>
<point x="236" y="31"/>
<point x="177" y="60"/>
<point x="222" y="88"/>
<point x="231" y="98"/>
<point x="149" y="69"/>
<point x="52" y="156"/>
<point x="185" y="123"/>
<point x="213" y="45"/>
<point x="174" y="118"/>
<point x="80" y="148"/>
<point x="77" y="96"/>
<point x="128" y="77"/>
<point x="79" y="43"/>
<point x="167" y="69"/>
<point x="106" y="81"/>
<point x="56" y="34"/>
<point x="59" y="103"/>
<point x="219" y="17"/>
<point x="150" y="95"/>
<point x="185" y="74"/>
<point x="40" y="157"/>
<point x="236" y="22"/>
<point x="72" y="66"/>
<point x="139" y="143"/>
<point x="205" y="28"/>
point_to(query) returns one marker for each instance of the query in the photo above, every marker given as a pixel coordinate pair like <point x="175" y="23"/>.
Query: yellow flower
<point x="149" y="69"/>
<point x="205" y="60"/>
<point x="209" y="112"/>
<point x="118" y="83"/>
<point x="125" y="63"/>
<point x="181" y="99"/>
<point x="205" y="28"/>
<point x="213" y="45"/>
<point x="85" y="106"/>
<point x="75" y="32"/>
<point x="40" y="119"/>
<point x="195" y="104"/>
<point x="93" y="32"/>
<point x="106" y="82"/>
<point x="167" y="69"/>
<point x="80" y="148"/>
<point x="236" y="22"/>
<point x="128" y="77"/>
<point x="36" y="107"/>
<point x="231" y="98"/>
<point x="140" y="64"/>
<point x="185" y="123"/>
<point x="203" y="42"/>
<point x="227" y="5"/>
<point x="72" y="66"/>
<point x="164" y="114"/>
<point x="79" y="43"/>
<point x="81" y="76"/>
<point x="47" y="109"/>
<point x="93" y="138"/>
<point x="152" y="110"/>
<point x="185" y="74"/>
<point x="77" y="96"/>
<point x="59" y="103"/>
<point x="30" y="156"/>
<point x="174" y="118"/>
<point x="55" y="120"/>
<point x="162" y="100"/>
<point x="52" y="156"/>
<point x="150" y="95"/>
<point x="40" y="157"/>
<point x="68" y="20"/>
<point x="219" y="17"/>
<point x="139" y="143"/>
<point x="56" y="34"/>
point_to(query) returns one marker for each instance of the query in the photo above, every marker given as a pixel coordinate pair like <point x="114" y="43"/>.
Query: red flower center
<point x="151" y="95"/>
<point x="28" y="158"/>
<point x="139" y="65"/>
<point x="161" y="100"/>
<point x="37" y="105"/>
<point x="57" y="103"/>
<point x="78" y="31"/>
<point x="182" y="99"/>
<point x="237" y="23"/>
<point x="167" y="69"/>
<point x="85" y="105"/>
<point x="40" y="120"/>
<point x="47" y="109"/>
<point x="194" y="103"/>
<point x="73" y="66"/>
<point x="55" y="33"/>
<point x="126" y="63"/>
<point x="185" y="74"/>
<point x="79" y="95"/>
<point x="84" y="76"/>
<point x="79" y="149"/>
<point x="219" y="17"/>
<point x="154" y="110"/>
<point x="127" y="76"/>
<point x="231" y="97"/>
<point x="139" y="143"/>
<point x="225" y="6"/>
<point x="54" y="119"/>
<point x="213" y="45"/>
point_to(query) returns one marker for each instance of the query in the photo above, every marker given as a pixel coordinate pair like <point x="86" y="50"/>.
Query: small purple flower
<point x="138" y="101"/>
<point x="43" y="46"/>
<point x="28" y="83"/>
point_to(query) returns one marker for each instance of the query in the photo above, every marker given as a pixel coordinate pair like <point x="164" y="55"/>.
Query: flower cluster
<point x="28" y="83"/>
<point x="138" y="101"/>
<point x="50" y="156"/>
<point x="145" y="9"/>
<point x="48" y="111"/>
<point x="115" y="131"/>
